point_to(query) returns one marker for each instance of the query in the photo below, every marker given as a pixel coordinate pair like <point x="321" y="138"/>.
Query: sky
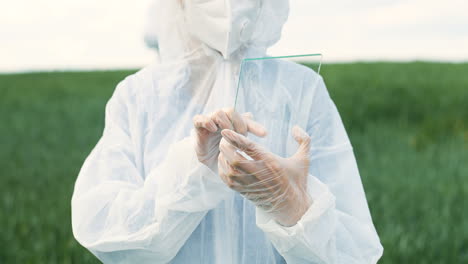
<point x="105" y="34"/>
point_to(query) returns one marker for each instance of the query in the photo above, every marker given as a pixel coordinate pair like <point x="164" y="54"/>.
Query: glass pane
<point x="278" y="91"/>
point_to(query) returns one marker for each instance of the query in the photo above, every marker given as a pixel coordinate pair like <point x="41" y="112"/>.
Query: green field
<point x="408" y="123"/>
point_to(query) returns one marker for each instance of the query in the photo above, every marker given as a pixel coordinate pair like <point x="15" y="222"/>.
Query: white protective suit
<point x="142" y="196"/>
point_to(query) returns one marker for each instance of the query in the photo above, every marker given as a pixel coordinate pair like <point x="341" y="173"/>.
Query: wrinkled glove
<point x="275" y="184"/>
<point x="208" y="132"/>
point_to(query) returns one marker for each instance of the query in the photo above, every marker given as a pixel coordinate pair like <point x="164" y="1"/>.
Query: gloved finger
<point x="222" y="120"/>
<point x="204" y="122"/>
<point x="244" y="144"/>
<point x="238" y="161"/>
<point x="242" y="170"/>
<point x="230" y="152"/>
<point x="304" y="141"/>
<point x="239" y="180"/>
<point x="228" y="174"/>
<point x="238" y="122"/>
<point x="254" y="127"/>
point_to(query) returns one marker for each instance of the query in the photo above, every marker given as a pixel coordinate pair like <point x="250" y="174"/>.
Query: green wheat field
<point x="408" y="123"/>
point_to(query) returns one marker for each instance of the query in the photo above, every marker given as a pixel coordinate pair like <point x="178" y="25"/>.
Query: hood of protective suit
<point x="202" y="43"/>
<point x="225" y="28"/>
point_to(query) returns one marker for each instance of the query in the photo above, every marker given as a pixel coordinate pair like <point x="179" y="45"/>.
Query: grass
<point x="407" y="121"/>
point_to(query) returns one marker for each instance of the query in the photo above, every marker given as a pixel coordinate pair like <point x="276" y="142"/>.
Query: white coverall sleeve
<point x="123" y="216"/>
<point x="338" y="227"/>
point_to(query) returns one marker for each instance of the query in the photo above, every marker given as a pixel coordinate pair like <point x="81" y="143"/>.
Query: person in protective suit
<point x="179" y="176"/>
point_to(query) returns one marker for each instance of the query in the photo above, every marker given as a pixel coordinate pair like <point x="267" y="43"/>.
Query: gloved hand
<point x="275" y="184"/>
<point x="208" y="132"/>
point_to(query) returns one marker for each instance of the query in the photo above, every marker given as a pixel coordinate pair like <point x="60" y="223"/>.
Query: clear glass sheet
<point x="278" y="91"/>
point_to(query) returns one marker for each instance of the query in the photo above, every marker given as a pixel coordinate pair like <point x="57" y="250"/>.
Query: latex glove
<point x="208" y="132"/>
<point x="275" y="184"/>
